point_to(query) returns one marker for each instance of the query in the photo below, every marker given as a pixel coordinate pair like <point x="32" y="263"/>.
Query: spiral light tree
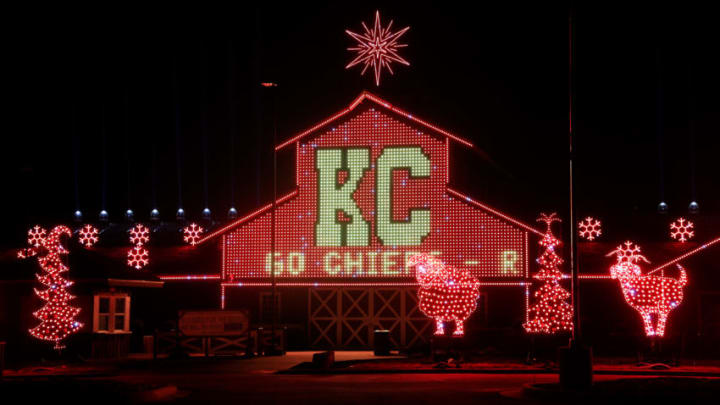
<point x="57" y="316"/>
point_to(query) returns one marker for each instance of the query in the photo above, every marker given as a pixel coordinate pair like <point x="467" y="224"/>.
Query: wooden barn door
<point x="346" y="317"/>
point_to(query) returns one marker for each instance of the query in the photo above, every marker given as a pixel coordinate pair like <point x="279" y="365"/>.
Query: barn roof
<point x="366" y="97"/>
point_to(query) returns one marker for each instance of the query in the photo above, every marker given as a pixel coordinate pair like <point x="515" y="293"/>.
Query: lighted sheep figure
<point x="446" y="293"/>
<point x="649" y="295"/>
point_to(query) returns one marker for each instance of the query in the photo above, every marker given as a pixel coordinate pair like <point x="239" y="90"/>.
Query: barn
<point x="371" y="189"/>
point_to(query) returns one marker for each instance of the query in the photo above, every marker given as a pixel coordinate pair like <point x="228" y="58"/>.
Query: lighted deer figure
<point x="649" y="295"/>
<point x="446" y="293"/>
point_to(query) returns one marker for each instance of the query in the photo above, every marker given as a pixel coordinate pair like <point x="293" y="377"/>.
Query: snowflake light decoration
<point x="682" y="230"/>
<point x="377" y="47"/>
<point x="192" y="233"/>
<point x="138" y="257"/>
<point x="589" y="228"/>
<point x="88" y="235"/>
<point x="139" y="235"/>
<point x="628" y="253"/>
<point x="36" y="235"/>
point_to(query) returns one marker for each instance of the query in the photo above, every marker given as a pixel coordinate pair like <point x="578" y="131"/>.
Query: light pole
<point x="576" y="359"/>
<point x="273" y="295"/>
<point x="574" y="268"/>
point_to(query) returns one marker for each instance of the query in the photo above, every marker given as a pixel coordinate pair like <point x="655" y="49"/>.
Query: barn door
<point x="346" y="317"/>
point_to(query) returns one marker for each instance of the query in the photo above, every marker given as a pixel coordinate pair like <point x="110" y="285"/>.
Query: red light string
<point x="345" y="284"/>
<point x="190" y="277"/>
<point x="496" y="212"/>
<point x="685" y="255"/>
<point x="240" y="221"/>
<point x="378" y="100"/>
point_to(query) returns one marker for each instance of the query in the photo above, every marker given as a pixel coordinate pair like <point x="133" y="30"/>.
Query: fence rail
<point x="254" y="342"/>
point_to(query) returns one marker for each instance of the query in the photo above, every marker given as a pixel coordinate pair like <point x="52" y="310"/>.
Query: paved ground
<point x="255" y="381"/>
<point x="257" y="385"/>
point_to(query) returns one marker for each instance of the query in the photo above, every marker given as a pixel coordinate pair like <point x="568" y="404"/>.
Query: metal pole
<point x="274" y="217"/>
<point x="576" y="368"/>
<point x="574" y="265"/>
<point x="273" y="295"/>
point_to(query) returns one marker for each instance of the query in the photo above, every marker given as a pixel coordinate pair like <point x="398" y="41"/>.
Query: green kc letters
<point x="335" y="198"/>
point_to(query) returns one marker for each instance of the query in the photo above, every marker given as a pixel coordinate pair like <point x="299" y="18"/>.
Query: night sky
<point x="496" y="75"/>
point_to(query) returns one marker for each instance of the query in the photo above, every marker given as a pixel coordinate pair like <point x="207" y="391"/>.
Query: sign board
<point x="371" y="192"/>
<point x="213" y="323"/>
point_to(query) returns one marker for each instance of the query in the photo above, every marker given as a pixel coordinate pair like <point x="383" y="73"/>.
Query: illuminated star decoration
<point x="682" y="230"/>
<point x="377" y="48"/>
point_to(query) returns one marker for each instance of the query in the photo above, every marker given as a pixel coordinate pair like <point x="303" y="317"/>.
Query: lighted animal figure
<point x="446" y="293"/>
<point x="649" y="295"/>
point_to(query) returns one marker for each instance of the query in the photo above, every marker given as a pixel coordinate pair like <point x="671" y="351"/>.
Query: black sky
<point x="496" y="74"/>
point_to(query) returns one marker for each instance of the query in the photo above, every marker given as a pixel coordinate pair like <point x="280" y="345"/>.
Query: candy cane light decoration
<point x="57" y="317"/>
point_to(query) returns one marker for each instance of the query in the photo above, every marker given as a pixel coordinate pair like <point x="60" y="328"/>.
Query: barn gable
<point x="395" y="169"/>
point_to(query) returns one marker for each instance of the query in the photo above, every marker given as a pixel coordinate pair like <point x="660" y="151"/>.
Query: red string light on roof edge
<point x="57" y="317"/>
<point x="652" y="296"/>
<point x="551" y="313"/>
<point x="446" y="294"/>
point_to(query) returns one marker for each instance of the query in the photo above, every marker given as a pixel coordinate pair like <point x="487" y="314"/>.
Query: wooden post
<point x="155" y="344"/>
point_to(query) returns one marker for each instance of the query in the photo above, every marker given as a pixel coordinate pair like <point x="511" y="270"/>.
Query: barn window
<point x="111" y="313"/>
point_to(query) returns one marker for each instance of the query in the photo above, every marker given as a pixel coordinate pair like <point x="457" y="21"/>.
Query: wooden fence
<point x="255" y="342"/>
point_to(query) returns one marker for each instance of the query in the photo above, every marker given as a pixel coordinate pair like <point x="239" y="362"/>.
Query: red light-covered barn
<point x="371" y="190"/>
